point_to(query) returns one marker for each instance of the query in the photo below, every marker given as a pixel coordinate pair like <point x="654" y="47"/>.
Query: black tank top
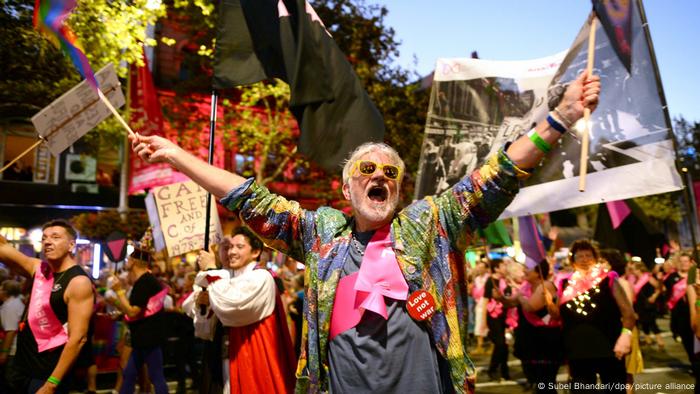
<point x="592" y="335"/>
<point x="59" y="306"/>
<point x="30" y="363"/>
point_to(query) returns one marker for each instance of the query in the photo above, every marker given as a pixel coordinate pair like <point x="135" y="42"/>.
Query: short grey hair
<point x="369" y="147"/>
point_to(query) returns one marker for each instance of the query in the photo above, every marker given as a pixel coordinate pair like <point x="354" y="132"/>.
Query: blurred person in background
<point x="142" y="310"/>
<point x="11" y="313"/>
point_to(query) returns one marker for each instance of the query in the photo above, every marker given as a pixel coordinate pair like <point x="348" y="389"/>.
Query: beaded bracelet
<point x="541" y="144"/>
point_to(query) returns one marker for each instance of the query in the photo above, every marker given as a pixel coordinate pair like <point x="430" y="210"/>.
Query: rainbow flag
<point x="49" y="18"/>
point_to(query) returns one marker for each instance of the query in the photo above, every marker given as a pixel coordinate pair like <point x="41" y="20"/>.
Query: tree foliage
<point x="371" y="47"/>
<point x="99" y="225"/>
<point x="263" y="129"/>
<point x="115" y="31"/>
<point x="688" y="137"/>
<point x="661" y="207"/>
<point x="35" y="72"/>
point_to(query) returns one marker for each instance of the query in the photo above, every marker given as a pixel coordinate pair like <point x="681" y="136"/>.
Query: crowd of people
<point x="252" y="317"/>
<point x="595" y="312"/>
<point x="384" y="303"/>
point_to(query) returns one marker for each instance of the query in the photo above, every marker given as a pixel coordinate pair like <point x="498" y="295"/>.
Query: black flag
<point x="616" y="18"/>
<point x="285" y="39"/>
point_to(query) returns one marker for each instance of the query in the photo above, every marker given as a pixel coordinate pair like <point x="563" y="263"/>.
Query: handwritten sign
<point x="181" y="213"/>
<point x="78" y="111"/>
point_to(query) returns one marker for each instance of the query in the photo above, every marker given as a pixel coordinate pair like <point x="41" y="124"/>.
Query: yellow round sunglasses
<point x="369" y="167"/>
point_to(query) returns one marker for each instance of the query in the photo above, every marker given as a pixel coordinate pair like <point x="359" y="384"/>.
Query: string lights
<point x="581" y="287"/>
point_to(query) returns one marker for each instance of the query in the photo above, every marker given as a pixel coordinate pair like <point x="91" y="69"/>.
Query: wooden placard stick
<point x="583" y="164"/>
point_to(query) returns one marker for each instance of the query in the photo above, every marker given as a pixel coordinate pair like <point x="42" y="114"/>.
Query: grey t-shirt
<point x="383" y="356"/>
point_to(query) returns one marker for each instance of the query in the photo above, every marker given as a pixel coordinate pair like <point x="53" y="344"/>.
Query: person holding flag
<point x="386" y="296"/>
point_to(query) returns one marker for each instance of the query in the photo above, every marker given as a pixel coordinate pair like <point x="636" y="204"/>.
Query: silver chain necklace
<point x="357" y="246"/>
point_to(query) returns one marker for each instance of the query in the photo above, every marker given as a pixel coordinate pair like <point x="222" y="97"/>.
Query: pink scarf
<point x="154" y="305"/>
<point x="677" y="293"/>
<point x="379" y="277"/>
<point x="47" y="329"/>
<point x="535" y="320"/>
<point x="479" y="286"/>
<point x="637" y="287"/>
<point x="495" y="308"/>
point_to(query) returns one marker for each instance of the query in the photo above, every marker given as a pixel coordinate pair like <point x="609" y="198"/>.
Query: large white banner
<point x="477" y="106"/>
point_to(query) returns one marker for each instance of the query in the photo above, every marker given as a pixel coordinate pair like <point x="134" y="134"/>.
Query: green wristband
<point x="697" y="303"/>
<point x="54" y="380"/>
<point x="626" y="331"/>
<point x="541" y="144"/>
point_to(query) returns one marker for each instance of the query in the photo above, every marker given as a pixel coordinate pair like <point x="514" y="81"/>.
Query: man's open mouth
<point x="377" y="194"/>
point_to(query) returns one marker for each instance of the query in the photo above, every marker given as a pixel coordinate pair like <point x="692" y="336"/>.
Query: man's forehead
<point x="238" y="239"/>
<point x="377" y="156"/>
<point x="55" y="230"/>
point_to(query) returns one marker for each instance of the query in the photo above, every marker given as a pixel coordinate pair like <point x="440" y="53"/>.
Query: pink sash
<point x="526" y="290"/>
<point x="677" y="293"/>
<point x="643" y="280"/>
<point x="479" y="286"/>
<point x="495" y="308"/>
<point x="46" y="328"/>
<point x="154" y="305"/>
<point x="379" y="276"/>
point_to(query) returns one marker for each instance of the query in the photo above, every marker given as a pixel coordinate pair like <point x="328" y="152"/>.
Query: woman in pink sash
<point x="646" y="292"/>
<point x="480" y="328"/>
<point x="496" y="288"/>
<point x="677" y="301"/>
<point x="538" y="342"/>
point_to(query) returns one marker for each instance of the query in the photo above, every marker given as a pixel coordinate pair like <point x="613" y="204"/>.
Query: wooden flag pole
<point x="114" y="111"/>
<point x="583" y="164"/>
<point x="8" y="165"/>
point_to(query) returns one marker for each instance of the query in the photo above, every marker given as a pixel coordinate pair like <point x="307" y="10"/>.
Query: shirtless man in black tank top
<point x="71" y="299"/>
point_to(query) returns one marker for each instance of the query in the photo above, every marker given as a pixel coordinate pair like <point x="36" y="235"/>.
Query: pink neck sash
<point x="379" y="276"/>
<point x="677" y="293"/>
<point x="493" y="307"/>
<point x="637" y="286"/>
<point x="154" y="305"/>
<point x="535" y="320"/>
<point x="479" y="286"/>
<point x="46" y="328"/>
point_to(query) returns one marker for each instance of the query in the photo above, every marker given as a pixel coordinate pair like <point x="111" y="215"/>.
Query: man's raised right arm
<point x="154" y="149"/>
<point x="16" y="259"/>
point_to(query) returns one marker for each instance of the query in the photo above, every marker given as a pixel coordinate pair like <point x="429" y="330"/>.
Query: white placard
<point x="77" y="111"/>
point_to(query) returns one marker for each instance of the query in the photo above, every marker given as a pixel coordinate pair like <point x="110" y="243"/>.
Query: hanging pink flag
<point x="618" y="212"/>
